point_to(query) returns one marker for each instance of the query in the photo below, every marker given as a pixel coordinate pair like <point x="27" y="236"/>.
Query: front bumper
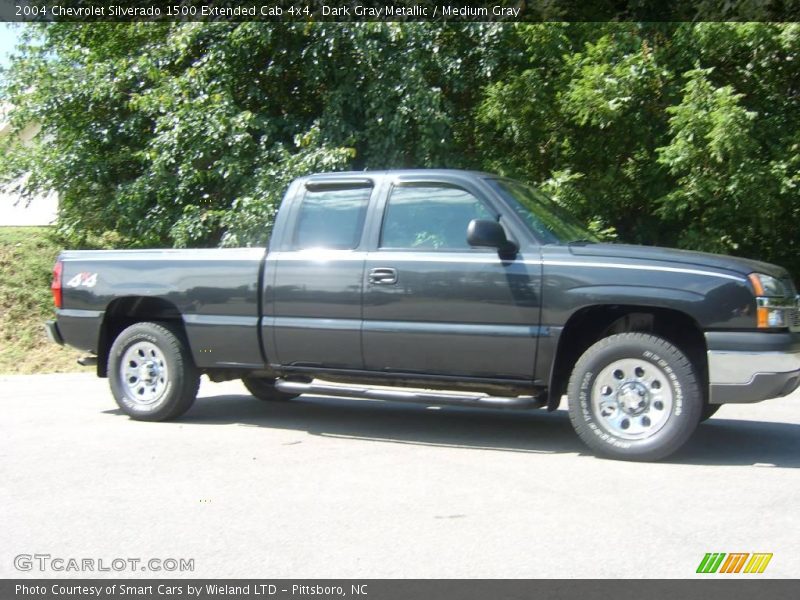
<point x="752" y="366"/>
<point x="53" y="334"/>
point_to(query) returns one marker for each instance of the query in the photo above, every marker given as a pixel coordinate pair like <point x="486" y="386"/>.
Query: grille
<point x="794" y="319"/>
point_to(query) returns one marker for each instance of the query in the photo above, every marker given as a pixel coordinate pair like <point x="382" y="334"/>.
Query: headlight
<point x="766" y="286"/>
<point x="773" y="307"/>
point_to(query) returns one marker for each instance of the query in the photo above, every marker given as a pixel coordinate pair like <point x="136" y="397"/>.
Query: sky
<point x="42" y="210"/>
<point x="9" y="33"/>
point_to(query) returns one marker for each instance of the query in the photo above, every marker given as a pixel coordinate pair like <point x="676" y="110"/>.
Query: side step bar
<point x="409" y="395"/>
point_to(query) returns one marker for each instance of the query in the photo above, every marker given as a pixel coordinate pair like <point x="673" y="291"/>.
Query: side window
<point x="430" y="216"/>
<point x="331" y="218"/>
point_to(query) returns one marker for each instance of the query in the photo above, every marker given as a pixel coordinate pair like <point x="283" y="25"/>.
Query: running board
<point x="408" y="395"/>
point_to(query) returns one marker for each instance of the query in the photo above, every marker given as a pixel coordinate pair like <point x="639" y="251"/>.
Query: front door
<point x="434" y="305"/>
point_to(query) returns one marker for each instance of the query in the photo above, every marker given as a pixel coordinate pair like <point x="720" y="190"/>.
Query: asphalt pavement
<point x="334" y="488"/>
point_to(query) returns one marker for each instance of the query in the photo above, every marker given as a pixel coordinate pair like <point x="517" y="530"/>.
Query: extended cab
<point x="442" y="287"/>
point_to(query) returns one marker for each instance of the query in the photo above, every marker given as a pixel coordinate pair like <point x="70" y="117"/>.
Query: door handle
<point x="383" y="276"/>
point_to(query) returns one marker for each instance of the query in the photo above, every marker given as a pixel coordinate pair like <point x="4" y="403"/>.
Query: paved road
<point x="340" y="488"/>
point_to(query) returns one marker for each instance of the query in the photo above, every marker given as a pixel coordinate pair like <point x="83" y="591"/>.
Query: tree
<point x="681" y="134"/>
<point x="162" y="134"/>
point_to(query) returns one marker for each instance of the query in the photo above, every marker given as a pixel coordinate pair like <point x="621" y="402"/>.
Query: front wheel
<point x="151" y="372"/>
<point x="634" y="396"/>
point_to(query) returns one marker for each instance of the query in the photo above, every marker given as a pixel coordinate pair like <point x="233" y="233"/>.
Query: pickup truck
<point x="442" y="287"/>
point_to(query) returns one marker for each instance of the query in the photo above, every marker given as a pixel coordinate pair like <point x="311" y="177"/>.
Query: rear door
<point x="434" y="305"/>
<point x="314" y="277"/>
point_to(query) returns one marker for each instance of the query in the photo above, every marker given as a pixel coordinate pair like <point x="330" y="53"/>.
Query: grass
<point x="27" y="255"/>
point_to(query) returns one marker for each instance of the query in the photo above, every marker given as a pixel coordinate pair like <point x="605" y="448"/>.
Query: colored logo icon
<point x="735" y="562"/>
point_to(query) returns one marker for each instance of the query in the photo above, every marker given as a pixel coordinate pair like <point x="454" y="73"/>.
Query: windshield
<point x="548" y="221"/>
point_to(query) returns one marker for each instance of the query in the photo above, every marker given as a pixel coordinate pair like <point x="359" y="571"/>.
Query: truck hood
<point x="741" y="266"/>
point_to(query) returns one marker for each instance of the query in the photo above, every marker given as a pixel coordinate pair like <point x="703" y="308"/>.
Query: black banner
<point x="399" y="10"/>
<point x="383" y="589"/>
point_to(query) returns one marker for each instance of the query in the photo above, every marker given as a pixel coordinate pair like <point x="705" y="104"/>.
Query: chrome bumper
<point x="769" y="367"/>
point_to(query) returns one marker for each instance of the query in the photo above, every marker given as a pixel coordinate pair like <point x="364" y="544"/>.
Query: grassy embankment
<point x="26" y="262"/>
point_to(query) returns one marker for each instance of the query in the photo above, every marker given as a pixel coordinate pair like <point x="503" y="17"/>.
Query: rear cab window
<point x="331" y="217"/>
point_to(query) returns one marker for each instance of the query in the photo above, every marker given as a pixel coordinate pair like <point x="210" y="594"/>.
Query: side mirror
<point x="490" y="234"/>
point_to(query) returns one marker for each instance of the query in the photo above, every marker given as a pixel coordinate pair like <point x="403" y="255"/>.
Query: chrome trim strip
<point x="195" y="319"/>
<point x="445" y="257"/>
<point x="314" y="323"/>
<point x="170" y="254"/>
<point x="79" y="313"/>
<point x="643" y="268"/>
<point x="490" y="258"/>
<point x="740" y="368"/>
<point x="349" y="255"/>
<point x="406" y="327"/>
<point x="492" y="330"/>
<point x="324" y="255"/>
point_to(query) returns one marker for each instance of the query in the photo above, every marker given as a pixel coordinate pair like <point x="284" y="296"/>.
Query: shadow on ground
<point x="716" y="442"/>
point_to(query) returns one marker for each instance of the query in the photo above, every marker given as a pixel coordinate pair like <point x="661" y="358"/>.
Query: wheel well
<point x="124" y="312"/>
<point x="591" y="324"/>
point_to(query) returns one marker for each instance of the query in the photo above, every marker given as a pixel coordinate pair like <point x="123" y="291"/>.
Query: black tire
<point x="263" y="388"/>
<point x="634" y="396"/>
<point x="709" y="410"/>
<point x="151" y="372"/>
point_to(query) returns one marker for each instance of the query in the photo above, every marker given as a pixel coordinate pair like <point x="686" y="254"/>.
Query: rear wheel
<point x="634" y="396"/>
<point x="263" y="388"/>
<point x="151" y="372"/>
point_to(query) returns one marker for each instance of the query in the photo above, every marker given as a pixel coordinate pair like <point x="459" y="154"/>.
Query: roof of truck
<point x="404" y="172"/>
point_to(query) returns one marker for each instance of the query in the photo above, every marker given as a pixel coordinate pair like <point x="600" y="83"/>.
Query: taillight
<point x="55" y="286"/>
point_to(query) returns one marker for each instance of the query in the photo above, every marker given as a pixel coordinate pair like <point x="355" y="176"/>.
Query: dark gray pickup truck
<point x="446" y="288"/>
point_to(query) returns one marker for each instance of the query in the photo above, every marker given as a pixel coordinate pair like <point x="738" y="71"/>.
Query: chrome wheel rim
<point x="632" y="399"/>
<point x="144" y="373"/>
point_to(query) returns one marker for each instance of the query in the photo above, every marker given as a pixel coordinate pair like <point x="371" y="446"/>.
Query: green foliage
<point x="678" y="134"/>
<point x="27" y="255"/>
<point x="186" y="134"/>
<point x="733" y="144"/>
<point x="177" y="134"/>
